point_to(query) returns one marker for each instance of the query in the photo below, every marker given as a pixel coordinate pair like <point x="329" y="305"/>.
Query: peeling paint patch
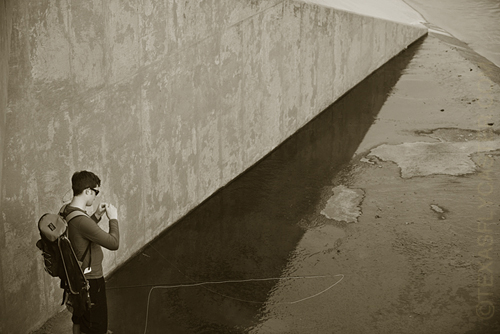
<point x="423" y="158"/>
<point x="344" y="205"/>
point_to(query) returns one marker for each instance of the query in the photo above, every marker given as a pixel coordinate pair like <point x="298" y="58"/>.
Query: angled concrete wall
<point x="167" y="101"/>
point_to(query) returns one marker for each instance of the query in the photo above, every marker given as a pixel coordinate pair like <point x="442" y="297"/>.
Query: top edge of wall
<point x="389" y="10"/>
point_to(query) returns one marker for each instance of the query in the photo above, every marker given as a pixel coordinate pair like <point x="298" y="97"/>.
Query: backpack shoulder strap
<point x="74" y="214"/>
<point x="87" y="251"/>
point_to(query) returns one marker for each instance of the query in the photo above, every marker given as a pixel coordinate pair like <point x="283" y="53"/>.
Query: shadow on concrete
<point x="246" y="230"/>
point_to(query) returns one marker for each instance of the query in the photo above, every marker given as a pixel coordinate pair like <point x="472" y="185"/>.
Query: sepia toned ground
<point x="413" y="220"/>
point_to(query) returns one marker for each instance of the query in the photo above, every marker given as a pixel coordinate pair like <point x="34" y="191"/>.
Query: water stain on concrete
<point x="450" y="156"/>
<point x="344" y="205"/>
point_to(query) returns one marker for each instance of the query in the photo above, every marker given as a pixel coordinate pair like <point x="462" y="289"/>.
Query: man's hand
<point x="100" y="210"/>
<point x="111" y="211"/>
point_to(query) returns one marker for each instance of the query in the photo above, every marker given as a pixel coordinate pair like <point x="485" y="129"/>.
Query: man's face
<point x="92" y="194"/>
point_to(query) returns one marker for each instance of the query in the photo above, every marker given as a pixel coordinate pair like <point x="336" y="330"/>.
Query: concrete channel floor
<point x="380" y="216"/>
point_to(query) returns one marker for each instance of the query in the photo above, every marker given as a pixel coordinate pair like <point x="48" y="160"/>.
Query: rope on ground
<point x="244" y="281"/>
<point x="204" y="285"/>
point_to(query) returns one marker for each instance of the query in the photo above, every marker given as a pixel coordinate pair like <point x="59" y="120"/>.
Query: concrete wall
<point x="167" y="101"/>
<point x="5" y="26"/>
<point x="392" y="10"/>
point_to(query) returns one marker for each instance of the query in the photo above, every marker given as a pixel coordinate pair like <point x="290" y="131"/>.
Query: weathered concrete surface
<point x="248" y="229"/>
<point x="392" y="10"/>
<point x="459" y="18"/>
<point x="5" y="28"/>
<point x="423" y="255"/>
<point x="5" y="24"/>
<point x="167" y="102"/>
<point x="423" y="159"/>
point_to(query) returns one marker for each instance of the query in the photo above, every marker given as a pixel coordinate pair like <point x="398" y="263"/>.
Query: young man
<point x="83" y="230"/>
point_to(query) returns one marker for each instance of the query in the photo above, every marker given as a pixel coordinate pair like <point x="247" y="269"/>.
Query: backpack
<point x="60" y="260"/>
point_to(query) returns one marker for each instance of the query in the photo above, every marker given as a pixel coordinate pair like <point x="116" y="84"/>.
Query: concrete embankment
<point x="166" y="102"/>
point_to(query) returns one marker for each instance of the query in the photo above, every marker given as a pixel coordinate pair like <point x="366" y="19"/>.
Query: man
<point x="83" y="230"/>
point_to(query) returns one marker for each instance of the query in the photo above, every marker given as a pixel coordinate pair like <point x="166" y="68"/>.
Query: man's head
<point x="85" y="183"/>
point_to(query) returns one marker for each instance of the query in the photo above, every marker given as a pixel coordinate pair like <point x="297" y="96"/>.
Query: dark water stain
<point x="246" y="230"/>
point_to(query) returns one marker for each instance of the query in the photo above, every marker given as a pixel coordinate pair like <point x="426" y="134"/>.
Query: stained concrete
<point x="459" y="19"/>
<point x="167" y="102"/>
<point x="256" y="227"/>
<point x="391" y="10"/>
<point x="248" y="229"/>
<point x="407" y="267"/>
<point x="423" y="159"/>
<point x="5" y="29"/>
<point x="421" y="257"/>
<point x="344" y="205"/>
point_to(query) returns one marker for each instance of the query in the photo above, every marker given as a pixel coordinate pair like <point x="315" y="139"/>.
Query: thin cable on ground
<point x="202" y="284"/>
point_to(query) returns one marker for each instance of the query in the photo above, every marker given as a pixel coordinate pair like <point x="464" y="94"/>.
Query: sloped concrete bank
<point x="166" y="101"/>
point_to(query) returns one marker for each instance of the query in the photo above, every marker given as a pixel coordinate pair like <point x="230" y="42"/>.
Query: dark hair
<point x="83" y="180"/>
